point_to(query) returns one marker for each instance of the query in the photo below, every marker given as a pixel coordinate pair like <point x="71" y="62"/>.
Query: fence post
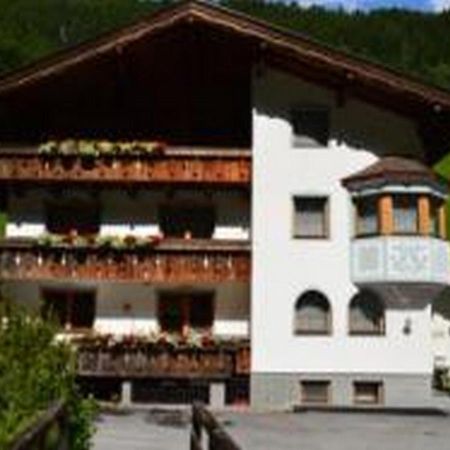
<point x="196" y="431"/>
<point x="219" y="440"/>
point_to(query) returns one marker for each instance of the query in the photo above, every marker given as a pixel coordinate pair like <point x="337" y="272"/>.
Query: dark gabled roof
<point x="393" y="170"/>
<point x="276" y="46"/>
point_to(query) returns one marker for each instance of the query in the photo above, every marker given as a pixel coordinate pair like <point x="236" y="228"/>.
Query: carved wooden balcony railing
<point x="170" y="261"/>
<point x="175" y="165"/>
<point x="152" y="361"/>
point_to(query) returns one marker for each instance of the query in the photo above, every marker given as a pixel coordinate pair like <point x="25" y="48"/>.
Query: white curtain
<point x="367" y="216"/>
<point x="405" y="214"/>
<point x="310" y="217"/>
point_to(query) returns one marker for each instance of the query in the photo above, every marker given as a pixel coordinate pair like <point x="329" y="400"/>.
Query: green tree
<point x="35" y="371"/>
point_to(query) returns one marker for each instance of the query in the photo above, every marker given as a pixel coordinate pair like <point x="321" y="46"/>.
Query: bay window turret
<point x="400" y="214"/>
<point x="400" y="227"/>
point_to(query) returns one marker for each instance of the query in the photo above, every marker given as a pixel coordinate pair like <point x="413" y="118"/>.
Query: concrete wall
<point x="282" y="391"/>
<point x="441" y="340"/>
<point x="284" y="268"/>
<point x="123" y="308"/>
<point x="122" y="214"/>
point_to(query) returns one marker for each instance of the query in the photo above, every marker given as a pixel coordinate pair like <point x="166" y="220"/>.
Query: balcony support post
<point x="126" y="398"/>
<point x="386" y="214"/>
<point x="217" y="395"/>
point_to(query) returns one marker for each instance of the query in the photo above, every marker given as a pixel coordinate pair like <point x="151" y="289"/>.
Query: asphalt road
<point x="334" y="431"/>
<point x="279" y="431"/>
<point x="137" y="431"/>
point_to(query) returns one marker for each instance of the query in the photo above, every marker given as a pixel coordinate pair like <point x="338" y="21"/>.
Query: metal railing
<point x="50" y="430"/>
<point x="207" y="433"/>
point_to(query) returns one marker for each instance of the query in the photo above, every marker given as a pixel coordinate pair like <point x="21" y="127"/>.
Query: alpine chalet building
<point x="213" y="208"/>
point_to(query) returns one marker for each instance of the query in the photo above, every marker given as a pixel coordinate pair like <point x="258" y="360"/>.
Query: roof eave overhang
<point x="288" y="50"/>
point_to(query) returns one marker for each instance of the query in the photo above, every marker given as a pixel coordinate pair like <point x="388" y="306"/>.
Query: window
<point x="311" y="127"/>
<point x="366" y="216"/>
<point x="367" y="392"/>
<point x="181" y="221"/>
<point x="316" y="392"/>
<point x="311" y="217"/>
<point x="435" y="205"/>
<point x="366" y="314"/>
<point x="64" y="216"/>
<point x="312" y="314"/>
<point x="178" y="311"/>
<point x="405" y="214"/>
<point x="71" y="309"/>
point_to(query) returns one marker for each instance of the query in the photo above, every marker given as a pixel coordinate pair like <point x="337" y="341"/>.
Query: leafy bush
<point x="35" y="371"/>
<point x="3" y="222"/>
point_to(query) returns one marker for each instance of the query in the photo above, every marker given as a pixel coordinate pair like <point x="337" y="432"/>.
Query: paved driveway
<point x="278" y="431"/>
<point x="135" y="431"/>
<point x="333" y="431"/>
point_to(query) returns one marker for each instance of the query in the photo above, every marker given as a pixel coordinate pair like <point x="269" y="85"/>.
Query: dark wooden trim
<point x="178" y="166"/>
<point x="293" y="48"/>
<point x="182" y="261"/>
<point x="154" y="361"/>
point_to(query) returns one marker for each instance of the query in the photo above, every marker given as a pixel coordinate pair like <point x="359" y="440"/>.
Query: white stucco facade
<point x="285" y="267"/>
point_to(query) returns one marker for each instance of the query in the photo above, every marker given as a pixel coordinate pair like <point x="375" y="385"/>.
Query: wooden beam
<point x="423" y="204"/>
<point x="386" y="214"/>
<point x="442" y="218"/>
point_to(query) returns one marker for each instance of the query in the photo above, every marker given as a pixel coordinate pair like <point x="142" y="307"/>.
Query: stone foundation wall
<point x="281" y="391"/>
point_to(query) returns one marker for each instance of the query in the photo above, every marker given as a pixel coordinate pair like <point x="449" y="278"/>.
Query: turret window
<point x="398" y="196"/>
<point x="435" y="207"/>
<point x="400" y="214"/>
<point x="367" y="216"/>
<point x="405" y="214"/>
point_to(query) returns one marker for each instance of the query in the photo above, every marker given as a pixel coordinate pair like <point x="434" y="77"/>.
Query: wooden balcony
<point x="171" y="261"/>
<point x="176" y="165"/>
<point x="156" y="361"/>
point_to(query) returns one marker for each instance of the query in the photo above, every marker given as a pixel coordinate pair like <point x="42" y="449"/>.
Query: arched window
<point x="312" y="314"/>
<point x="366" y="314"/>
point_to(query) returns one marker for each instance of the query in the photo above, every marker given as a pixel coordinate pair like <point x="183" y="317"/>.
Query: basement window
<point x="367" y="392"/>
<point x="311" y="127"/>
<point x="315" y="392"/>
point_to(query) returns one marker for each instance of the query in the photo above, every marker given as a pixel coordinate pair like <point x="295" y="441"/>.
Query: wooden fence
<point x="207" y="433"/>
<point x="49" y="431"/>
